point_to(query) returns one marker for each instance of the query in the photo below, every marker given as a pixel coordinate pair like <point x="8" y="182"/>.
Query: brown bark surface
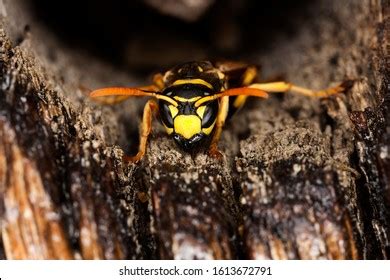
<point x="300" y="178"/>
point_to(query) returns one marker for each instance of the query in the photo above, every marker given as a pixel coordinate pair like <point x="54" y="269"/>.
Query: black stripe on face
<point x="187" y="109"/>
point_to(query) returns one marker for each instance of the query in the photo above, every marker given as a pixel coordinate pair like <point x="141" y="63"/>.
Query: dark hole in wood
<point x="132" y="35"/>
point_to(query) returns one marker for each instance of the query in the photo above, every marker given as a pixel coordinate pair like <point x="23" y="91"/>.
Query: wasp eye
<point x="210" y="114"/>
<point x="166" y="114"/>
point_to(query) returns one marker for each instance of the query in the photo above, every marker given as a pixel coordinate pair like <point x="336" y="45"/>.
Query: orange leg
<point x="248" y="77"/>
<point x="222" y="114"/>
<point x="146" y="127"/>
<point x="158" y="81"/>
<point x="285" y="86"/>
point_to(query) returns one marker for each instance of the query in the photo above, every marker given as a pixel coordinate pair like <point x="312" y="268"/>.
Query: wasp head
<point x="190" y="124"/>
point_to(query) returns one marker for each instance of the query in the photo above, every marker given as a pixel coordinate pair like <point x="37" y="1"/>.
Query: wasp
<point x="193" y="101"/>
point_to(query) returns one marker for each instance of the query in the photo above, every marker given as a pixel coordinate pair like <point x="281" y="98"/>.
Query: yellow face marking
<point x="200" y="69"/>
<point x="168" y="129"/>
<point x="174" y="111"/>
<point x="187" y="125"/>
<point x="209" y="129"/>
<point x="182" y="99"/>
<point x="207" y="98"/>
<point x="166" y="98"/>
<point x="192" y="81"/>
<point x="200" y="111"/>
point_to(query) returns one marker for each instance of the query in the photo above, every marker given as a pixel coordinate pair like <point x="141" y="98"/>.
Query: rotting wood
<point x="54" y="159"/>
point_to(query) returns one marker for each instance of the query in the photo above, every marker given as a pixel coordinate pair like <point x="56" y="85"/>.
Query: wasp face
<point x="188" y="123"/>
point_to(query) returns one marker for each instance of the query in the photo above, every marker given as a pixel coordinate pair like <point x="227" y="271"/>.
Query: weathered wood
<point x="193" y="206"/>
<point x="59" y="182"/>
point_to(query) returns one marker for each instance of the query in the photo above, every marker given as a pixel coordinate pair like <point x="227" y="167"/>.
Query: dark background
<point x="133" y="35"/>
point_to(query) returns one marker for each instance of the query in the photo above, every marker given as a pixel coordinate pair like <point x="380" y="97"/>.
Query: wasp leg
<point x="158" y="80"/>
<point x="221" y="117"/>
<point x="285" y="86"/>
<point x="146" y="126"/>
<point x="248" y="77"/>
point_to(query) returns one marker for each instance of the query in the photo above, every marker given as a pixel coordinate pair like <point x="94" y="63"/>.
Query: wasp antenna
<point x="166" y="98"/>
<point x="248" y="91"/>
<point x="128" y="92"/>
<point x="234" y="92"/>
<point x="120" y="91"/>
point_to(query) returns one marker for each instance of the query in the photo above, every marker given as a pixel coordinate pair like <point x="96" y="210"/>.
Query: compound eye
<point x="209" y="114"/>
<point x="167" y="113"/>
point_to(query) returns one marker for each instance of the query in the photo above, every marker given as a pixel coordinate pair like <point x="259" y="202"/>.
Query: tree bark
<point x="300" y="178"/>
